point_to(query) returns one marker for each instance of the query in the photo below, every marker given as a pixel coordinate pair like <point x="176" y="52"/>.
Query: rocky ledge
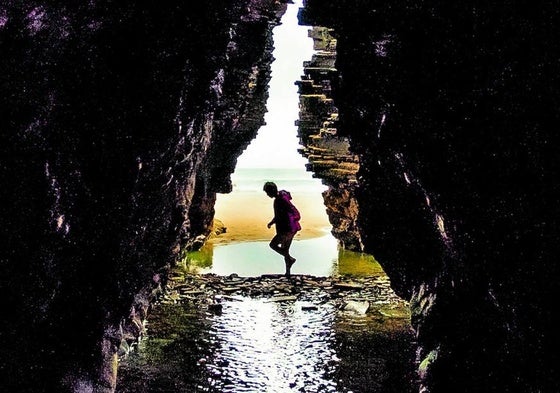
<point x="328" y="152"/>
<point x="374" y="289"/>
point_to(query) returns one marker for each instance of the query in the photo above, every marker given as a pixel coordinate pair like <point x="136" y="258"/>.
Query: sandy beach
<point x="245" y="215"/>
<point x="243" y="248"/>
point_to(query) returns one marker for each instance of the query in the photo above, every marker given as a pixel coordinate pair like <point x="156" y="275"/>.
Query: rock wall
<point x="118" y="123"/>
<point x="453" y="111"/>
<point x="328" y="152"/>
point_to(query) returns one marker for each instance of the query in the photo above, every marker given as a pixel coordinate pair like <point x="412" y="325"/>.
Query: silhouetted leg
<point x="276" y="245"/>
<point x="281" y="244"/>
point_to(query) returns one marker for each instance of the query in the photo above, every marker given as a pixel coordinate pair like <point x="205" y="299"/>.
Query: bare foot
<point x="289" y="262"/>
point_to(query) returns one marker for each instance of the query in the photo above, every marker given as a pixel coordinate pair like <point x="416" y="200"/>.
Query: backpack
<point x="293" y="213"/>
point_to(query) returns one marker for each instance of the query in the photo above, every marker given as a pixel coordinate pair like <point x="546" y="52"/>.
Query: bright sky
<point x="276" y="143"/>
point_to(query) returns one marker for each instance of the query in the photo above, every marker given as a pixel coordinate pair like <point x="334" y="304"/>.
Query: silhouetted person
<point x="286" y="218"/>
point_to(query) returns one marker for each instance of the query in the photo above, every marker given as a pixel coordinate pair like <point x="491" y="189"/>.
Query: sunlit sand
<point x="246" y="214"/>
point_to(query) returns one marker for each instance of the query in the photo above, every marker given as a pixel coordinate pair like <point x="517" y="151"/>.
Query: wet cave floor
<point x="212" y="333"/>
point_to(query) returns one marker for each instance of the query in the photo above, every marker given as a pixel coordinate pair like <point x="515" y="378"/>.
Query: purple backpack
<point x="293" y="212"/>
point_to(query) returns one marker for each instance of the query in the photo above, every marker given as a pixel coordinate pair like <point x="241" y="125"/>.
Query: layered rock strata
<point x="119" y="122"/>
<point x="452" y="108"/>
<point x="328" y="153"/>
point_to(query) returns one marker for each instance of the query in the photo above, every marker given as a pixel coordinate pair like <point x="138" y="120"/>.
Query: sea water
<point x="296" y="180"/>
<point x="315" y="249"/>
<point x="317" y="252"/>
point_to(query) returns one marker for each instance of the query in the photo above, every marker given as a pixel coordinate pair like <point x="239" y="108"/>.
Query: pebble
<point x="374" y="292"/>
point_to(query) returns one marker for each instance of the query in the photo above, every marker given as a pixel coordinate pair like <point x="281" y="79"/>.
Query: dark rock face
<point x="453" y="110"/>
<point x="119" y="122"/>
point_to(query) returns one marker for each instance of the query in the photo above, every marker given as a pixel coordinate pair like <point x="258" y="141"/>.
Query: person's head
<point x="270" y="188"/>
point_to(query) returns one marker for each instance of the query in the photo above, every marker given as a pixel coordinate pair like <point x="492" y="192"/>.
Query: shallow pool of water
<point x="255" y="345"/>
<point x="318" y="257"/>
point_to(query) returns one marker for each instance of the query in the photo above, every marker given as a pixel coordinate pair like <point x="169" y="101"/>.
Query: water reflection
<point x="318" y="257"/>
<point x="284" y="348"/>
<point x="314" y="256"/>
<point x="256" y="345"/>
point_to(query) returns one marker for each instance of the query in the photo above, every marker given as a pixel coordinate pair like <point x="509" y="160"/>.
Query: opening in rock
<point x="240" y="330"/>
<point x="276" y="155"/>
<point x="273" y="156"/>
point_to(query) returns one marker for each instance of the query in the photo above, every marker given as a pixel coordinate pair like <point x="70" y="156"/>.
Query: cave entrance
<point x="277" y="155"/>
<point x="273" y="156"/>
<point x="319" y="331"/>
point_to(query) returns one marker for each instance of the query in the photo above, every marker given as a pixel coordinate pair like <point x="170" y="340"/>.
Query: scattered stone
<point x="216" y="308"/>
<point x="218" y="228"/>
<point x="265" y="276"/>
<point x="348" y="285"/>
<point x="282" y="298"/>
<point x="211" y="288"/>
<point x="174" y="296"/>
<point x="195" y="292"/>
<point x="400" y="312"/>
<point x="359" y="307"/>
<point x="198" y="242"/>
<point x="233" y="298"/>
